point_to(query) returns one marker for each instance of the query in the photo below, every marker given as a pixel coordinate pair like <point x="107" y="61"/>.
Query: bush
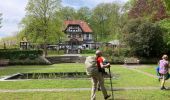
<point x="22" y="56"/>
<point x="117" y="60"/>
<point x="149" y="60"/>
<point x="144" y="38"/>
<point x="19" y="54"/>
<point x="32" y="56"/>
<point x="36" y="61"/>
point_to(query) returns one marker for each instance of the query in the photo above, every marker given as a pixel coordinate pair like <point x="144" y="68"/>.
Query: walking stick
<point x="111" y="83"/>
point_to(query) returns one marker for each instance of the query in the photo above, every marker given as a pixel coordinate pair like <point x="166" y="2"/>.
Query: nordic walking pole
<point x="111" y="83"/>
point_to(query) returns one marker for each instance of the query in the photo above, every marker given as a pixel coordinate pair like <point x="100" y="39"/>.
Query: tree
<point x="84" y="13"/>
<point x="144" y="38"/>
<point x="165" y="24"/>
<point x="105" y="21"/>
<point x="0" y="19"/>
<point x="151" y="9"/>
<point x="68" y="13"/>
<point x="167" y="2"/>
<point x="40" y="24"/>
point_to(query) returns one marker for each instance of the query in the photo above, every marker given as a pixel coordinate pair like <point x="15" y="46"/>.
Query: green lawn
<point x="85" y="95"/>
<point x="124" y="78"/>
<point x="149" y="69"/>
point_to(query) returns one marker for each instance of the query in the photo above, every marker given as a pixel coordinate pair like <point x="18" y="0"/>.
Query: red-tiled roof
<point x="85" y="27"/>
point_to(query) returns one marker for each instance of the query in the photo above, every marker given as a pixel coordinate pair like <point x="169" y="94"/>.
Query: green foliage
<point x="67" y="13"/>
<point x="154" y="10"/>
<point x="105" y="21"/>
<point x="88" y="52"/>
<point x="41" y="25"/>
<point x="19" y="54"/>
<point x="32" y="56"/>
<point x="84" y="13"/>
<point x="167" y="2"/>
<point x="115" y="55"/>
<point x="144" y="38"/>
<point x="165" y="24"/>
<point x="149" y="60"/>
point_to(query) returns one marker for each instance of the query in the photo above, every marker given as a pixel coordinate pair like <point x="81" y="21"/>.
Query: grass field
<point x="85" y="95"/>
<point x="125" y="78"/>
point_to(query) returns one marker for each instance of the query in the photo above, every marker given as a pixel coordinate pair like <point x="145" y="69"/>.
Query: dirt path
<point x="76" y="89"/>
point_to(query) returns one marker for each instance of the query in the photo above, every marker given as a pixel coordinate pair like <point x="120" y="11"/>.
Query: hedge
<point x="19" y="54"/>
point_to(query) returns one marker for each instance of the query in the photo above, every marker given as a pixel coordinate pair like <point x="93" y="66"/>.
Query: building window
<point x="87" y="36"/>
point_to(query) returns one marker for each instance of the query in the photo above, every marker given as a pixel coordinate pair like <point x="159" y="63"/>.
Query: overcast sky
<point x="14" y="10"/>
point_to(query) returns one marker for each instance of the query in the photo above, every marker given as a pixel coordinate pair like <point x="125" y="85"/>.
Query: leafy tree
<point x="68" y="13"/>
<point x="165" y="24"/>
<point x="84" y="13"/>
<point x="105" y="21"/>
<point x="41" y="24"/>
<point x="151" y="9"/>
<point x="167" y="2"/>
<point x="144" y="38"/>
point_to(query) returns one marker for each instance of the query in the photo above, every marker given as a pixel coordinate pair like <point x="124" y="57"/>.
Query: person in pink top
<point x="164" y="70"/>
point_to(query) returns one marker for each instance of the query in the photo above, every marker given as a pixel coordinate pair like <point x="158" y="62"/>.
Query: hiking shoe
<point x="99" y="89"/>
<point x="163" y="88"/>
<point x="107" y="97"/>
<point x="159" y="79"/>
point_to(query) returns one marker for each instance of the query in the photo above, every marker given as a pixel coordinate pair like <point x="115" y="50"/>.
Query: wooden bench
<point x="4" y="62"/>
<point x="131" y="60"/>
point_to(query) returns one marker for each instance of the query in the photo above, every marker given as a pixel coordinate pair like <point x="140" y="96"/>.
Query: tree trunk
<point x="45" y="49"/>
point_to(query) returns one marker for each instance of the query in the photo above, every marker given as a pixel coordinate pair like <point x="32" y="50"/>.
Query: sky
<point x="14" y="10"/>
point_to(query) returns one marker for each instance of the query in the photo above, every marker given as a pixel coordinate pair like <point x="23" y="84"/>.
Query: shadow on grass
<point x="117" y="99"/>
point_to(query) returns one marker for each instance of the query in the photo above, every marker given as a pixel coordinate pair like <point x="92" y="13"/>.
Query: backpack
<point x="91" y="66"/>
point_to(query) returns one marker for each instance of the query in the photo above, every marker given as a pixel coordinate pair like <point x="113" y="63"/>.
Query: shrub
<point x="18" y="54"/>
<point x="117" y="60"/>
<point x="144" y="38"/>
<point x="149" y="60"/>
<point x="32" y="56"/>
<point x="22" y="56"/>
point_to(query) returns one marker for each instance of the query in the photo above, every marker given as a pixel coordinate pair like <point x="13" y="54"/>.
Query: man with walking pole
<point x="94" y="68"/>
<point x="100" y="67"/>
